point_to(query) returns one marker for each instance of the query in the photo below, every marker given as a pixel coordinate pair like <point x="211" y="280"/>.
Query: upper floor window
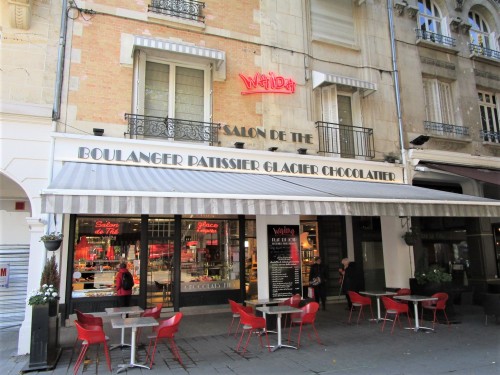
<point x="333" y="21"/>
<point x="429" y="17"/>
<point x="438" y="101"/>
<point x="479" y="32"/>
<point x="488" y="107"/>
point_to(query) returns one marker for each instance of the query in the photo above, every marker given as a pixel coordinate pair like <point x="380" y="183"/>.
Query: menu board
<point x="284" y="260"/>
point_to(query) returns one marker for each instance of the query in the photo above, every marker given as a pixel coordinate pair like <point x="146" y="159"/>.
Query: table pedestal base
<point x="276" y="347"/>
<point x="123" y="367"/>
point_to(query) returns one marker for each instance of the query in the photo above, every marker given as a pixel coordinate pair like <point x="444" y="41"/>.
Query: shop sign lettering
<point x="207" y="227"/>
<point x="267" y="83"/>
<point x="106" y="227"/>
<point x="232" y="164"/>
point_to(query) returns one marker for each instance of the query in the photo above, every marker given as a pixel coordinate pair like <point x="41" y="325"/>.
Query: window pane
<point x="156" y="95"/>
<point x="189" y="94"/>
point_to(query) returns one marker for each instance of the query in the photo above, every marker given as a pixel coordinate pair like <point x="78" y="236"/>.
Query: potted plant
<point x="410" y="237"/>
<point x="52" y="241"/>
<point x="433" y="274"/>
<point x="44" y="348"/>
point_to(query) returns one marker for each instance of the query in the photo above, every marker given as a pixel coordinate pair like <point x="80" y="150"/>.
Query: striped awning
<point x="321" y="79"/>
<point x="187" y="49"/>
<point x="85" y="188"/>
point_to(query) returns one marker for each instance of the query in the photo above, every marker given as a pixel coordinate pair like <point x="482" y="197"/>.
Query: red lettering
<point x="270" y="83"/>
<point x="3" y="272"/>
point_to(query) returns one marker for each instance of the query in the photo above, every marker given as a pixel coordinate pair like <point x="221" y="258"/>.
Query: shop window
<point x="308" y="248"/>
<point x="101" y="245"/>
<point x="333" y="22"/>
<point x="251" y="273"/>
<point x="209" y="255"/>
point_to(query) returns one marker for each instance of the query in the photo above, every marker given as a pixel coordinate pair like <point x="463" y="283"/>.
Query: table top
<point x="278" y="309"/>
<point x="134" y="322"/>
<point x="377" y="293"/>
<point x="123" y="310"/>
<point x="415" y="298"/>
<point x="266" y="301"/>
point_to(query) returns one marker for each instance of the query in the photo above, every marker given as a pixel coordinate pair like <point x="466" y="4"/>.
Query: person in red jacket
<point x="123" y="295"/>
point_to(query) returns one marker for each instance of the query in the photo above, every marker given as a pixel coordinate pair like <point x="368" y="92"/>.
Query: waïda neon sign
<point x="267" y="83"/>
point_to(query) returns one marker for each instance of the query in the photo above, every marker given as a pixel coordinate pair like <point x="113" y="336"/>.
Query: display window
<point x="101" y="244"/>
<point x="209" y="255"/>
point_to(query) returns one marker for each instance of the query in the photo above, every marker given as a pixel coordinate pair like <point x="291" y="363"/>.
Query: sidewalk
<point x="466" y="348"/>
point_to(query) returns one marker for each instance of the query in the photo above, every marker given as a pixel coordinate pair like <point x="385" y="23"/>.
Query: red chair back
<point x="88" y="319"/>
<point x="441" y="302"/>
<point x="153" y="312"/>
<point x="169" y="327"/>
<point x="236" y="307"/>
<point x="309" y="312"/>
<point x="390" y="304"/>
<point x="403" y="292"/>
<point x="92" y="334"/>
<point x="358" y="298"/>
<point x="255" y="322"/>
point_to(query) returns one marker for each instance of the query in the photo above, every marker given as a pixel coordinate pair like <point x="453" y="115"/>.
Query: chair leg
<point x="396" y="317"/>
<point x="80" y="358"/>
<point x="316" y="333"/>
<point x="175" y="350"/>
<point x="153" y="354"/>
<point x="385" y="320"/>
<point x="247" y="342"/>
<point x="230" y="327"/>
<point x="298" y="340"/>
<point x="240" y="340"/>
<point x="409" y="321"/>
<point x="359" y="314"/>
<point x="350" y="314"/>
<point x="108" y="359"/>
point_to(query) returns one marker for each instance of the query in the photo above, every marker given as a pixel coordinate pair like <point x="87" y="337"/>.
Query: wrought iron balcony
<point x="190" y="10"/>
<point x="483" y="51"/>
<point x="172" y="129"/>
<point x="435" y="38"/>
<point x="446" y="130"/>
<point x="346" y="141"/>
<point x="493" y="137"/>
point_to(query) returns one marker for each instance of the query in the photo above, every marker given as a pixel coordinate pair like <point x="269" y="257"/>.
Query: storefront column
<point x="37" y="259"/>
<point x="398" y="257"/>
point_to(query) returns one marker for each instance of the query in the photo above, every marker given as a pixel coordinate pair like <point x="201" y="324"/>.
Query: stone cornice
<point x="20" y="13"/>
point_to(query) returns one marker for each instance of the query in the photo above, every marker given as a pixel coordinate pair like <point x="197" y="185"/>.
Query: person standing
<point x="317" y="279"/>
<point x="123" y="287"/>
<point x="348" y="281"/>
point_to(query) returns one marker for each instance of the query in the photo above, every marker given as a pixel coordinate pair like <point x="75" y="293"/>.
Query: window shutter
<point x="333" y="21"/>
<point x="430" y="96"/>
<point x="445" y="103"/>
<point x="329" y="104"/>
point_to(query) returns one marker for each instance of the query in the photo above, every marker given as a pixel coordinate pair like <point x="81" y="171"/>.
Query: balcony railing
<point x="343" y="140"/>
<point x="446" y="130"/>
<point x="172" y="129"/>
<point x="490" y="136"/>
<point x="435" y="38"/>
<point x="483" y="51"/>
<point x="190" y="10"/>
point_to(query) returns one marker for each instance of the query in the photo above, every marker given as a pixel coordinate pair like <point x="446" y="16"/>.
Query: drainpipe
<point x="396" y="90"/>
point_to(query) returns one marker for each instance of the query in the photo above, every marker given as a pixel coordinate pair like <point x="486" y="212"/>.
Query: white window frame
<point x="476" y="31"/>
<point x="438" y="96"/>
<point x="439" y="19"/>
<point x="173" y="63"/>
<point x="495" y="109"/>
<point x="327" y="109"/>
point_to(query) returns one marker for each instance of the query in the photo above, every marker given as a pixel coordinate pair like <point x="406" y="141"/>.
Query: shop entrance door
<point x="160" y="271"/>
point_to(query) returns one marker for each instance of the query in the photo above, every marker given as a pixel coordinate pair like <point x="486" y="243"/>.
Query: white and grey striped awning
<point x="320" y="79"/>
<point x="84" y="188"/>
<point x="188" y="49"/>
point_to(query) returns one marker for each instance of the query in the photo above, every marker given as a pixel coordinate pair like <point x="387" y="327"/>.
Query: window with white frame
<point x="480" y="31"/>
<point x="340" y="113"/>
<point x="488" y="108"/>
<point x="174" y="91"/>
<point x="438" y="101"/>
<point x="429" y="17"/>
<point x="333" y="21"/>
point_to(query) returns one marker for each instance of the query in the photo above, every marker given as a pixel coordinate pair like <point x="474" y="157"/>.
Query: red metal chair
<point x="252" y="324"/>
<point x="434" y="306"/>
<point x="166" y="330"/>
<point x="91" y="335"/>
<point x="153" y="312"/>
<point x="360" y="302"/>
<point x="88" y="319"/>
<point x="394" y="308"/>
<point x="235" y="309"/>
<point x="403" y="292"/>
<point x="307" y="317"/>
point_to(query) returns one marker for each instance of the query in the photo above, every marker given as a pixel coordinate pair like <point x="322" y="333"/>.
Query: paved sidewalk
<point x="466" y="348"/>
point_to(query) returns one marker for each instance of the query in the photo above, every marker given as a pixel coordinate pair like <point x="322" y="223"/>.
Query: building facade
<point x="217" y="148"/>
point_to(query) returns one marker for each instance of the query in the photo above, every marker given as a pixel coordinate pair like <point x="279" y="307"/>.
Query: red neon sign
<point x="206" y="227"/>
<point x="106" y="227"/>
<point x="267" y="83"/>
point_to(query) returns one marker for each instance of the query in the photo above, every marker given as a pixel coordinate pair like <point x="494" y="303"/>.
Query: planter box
<point x="45" y="349"/>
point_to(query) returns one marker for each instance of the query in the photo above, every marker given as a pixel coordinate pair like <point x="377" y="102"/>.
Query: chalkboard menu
<point x="284" y="260"/>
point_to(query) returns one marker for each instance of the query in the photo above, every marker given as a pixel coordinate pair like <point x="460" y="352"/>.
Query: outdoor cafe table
<point x="133" y="323"/>
<point x="279" y="311"/>
<point x="416" y="299"/>
<point x="265" y="302"/>
<point x="378" y="294"/>
<point x="123" y="311"/>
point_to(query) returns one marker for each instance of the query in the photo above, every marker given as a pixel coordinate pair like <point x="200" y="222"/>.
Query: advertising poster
<point x="4" y="275"/>
<point x="284" y="260"/>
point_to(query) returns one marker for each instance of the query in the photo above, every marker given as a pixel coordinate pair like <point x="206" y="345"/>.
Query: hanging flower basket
<point x="52" y="245"/>
<point x="52" y="241"/>
<point x="410" y="238"/>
